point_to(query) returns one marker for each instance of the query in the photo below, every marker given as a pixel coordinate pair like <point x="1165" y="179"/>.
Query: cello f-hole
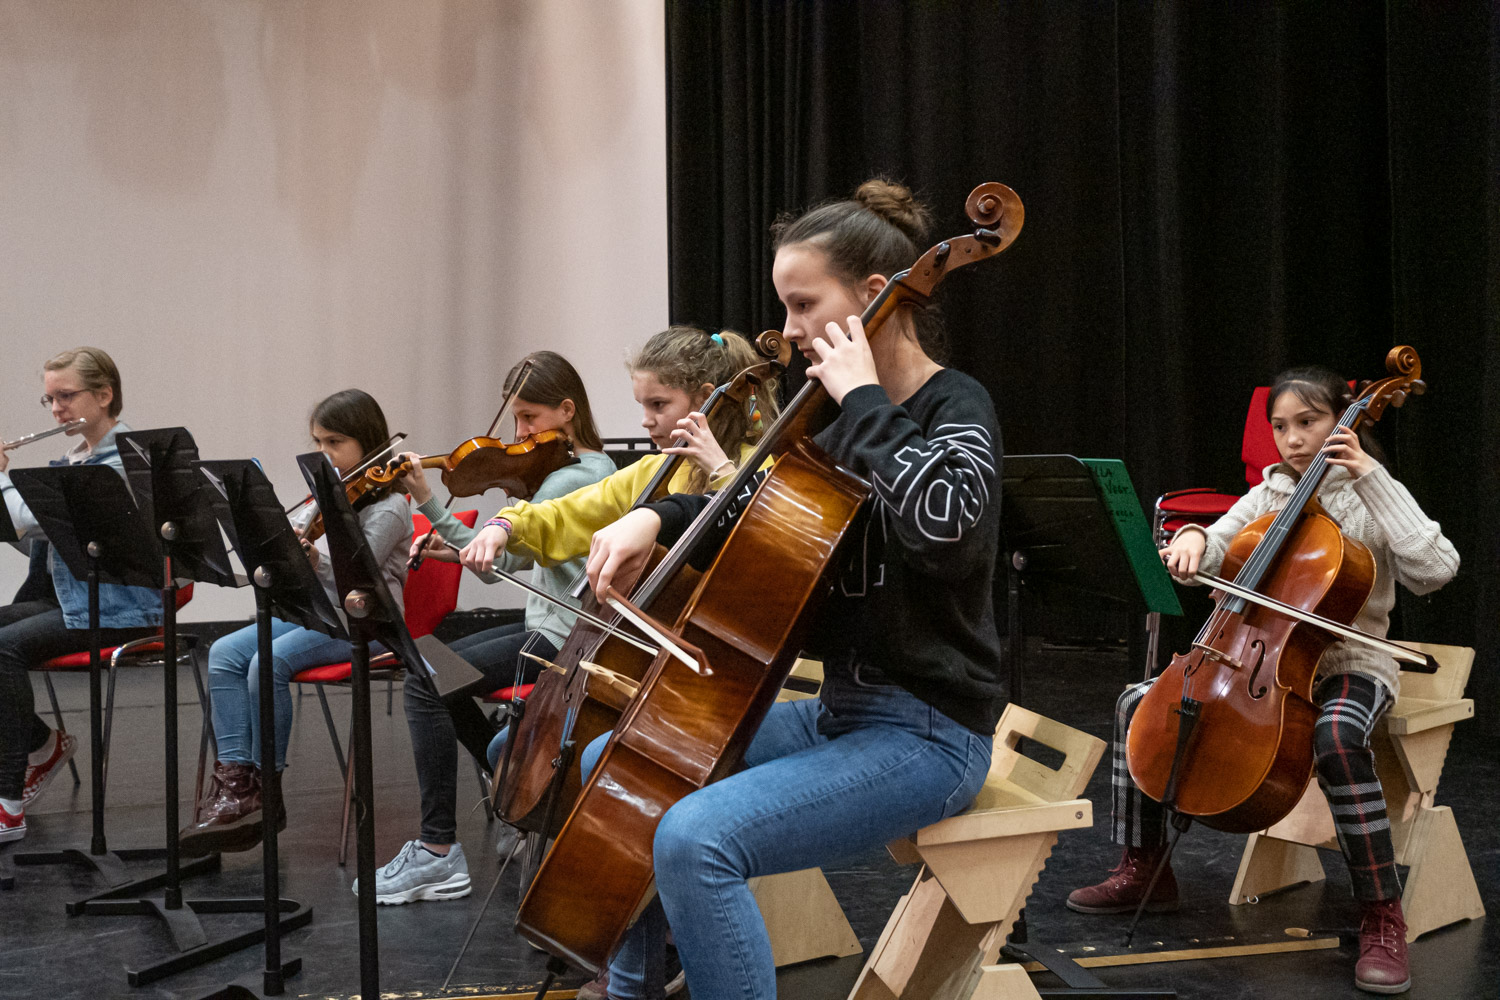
<point x="1259" y="646"/>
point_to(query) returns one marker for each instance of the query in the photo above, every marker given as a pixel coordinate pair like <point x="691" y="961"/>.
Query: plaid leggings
<point x="1351" y="705"/>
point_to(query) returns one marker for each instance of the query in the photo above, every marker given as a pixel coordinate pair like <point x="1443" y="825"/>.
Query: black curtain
<point x="1213" y="193"/>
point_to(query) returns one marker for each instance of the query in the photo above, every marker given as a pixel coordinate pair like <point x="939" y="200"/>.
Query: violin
<point x="359" y="490"/>
<point x="1224" y="736"/>
<point x="527" y="774"/>
<point x="743" y="625"/>
<point x="482" y="464"/>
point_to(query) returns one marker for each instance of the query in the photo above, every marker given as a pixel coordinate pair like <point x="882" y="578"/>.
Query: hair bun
<point x="896" y="204"/>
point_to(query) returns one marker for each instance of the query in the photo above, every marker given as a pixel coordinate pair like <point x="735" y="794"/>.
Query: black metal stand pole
<point x="275" y="973"/>
<point x="172" y="896"/>
<point x="271" y="981"/>
<point x="1015" y="641"/>
<point x="364" y="802"/>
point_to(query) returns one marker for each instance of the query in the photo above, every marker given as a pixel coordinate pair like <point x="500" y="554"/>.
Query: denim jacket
<point x="119" y="606"/>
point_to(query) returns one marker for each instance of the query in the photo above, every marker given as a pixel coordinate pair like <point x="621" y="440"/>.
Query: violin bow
<point x="592" y="619"/>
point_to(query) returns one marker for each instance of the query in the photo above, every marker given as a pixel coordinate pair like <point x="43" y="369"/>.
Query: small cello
<point x="1224" y="736"/>
<point x="564" y="705"/>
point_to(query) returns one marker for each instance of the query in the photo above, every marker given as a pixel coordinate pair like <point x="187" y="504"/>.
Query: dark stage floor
<point x="50" y="954"/>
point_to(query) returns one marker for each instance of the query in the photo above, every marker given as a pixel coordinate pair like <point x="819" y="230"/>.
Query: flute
<point x="71" y="425"/>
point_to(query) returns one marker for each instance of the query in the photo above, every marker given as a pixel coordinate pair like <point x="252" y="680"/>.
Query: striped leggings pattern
<point x="1351" y="704"/>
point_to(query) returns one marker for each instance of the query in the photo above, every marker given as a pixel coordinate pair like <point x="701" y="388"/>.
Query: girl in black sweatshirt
<point x="900" y="736"/>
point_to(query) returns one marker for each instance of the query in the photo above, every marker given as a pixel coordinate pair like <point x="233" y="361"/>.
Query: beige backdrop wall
<point x="254" y="203"/>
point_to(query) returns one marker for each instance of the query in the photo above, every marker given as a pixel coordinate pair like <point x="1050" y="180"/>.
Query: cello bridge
<point x="1218" y="656"/>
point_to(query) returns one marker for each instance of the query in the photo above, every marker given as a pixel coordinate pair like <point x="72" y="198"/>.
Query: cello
<point x="1225" y="734"/>
<point x="564" y="706"/>
<point x="744" y="625"/>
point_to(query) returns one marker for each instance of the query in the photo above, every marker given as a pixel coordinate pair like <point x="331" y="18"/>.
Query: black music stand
<point x="96" y="529"/>
<point x="373" y="616"/>
<point x="245" y="505"/>
<point x="170" y="500"/>
<point x="1074" y="537"/>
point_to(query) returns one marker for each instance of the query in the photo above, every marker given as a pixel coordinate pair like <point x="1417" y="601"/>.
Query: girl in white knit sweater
<point x="1355" y="683"/>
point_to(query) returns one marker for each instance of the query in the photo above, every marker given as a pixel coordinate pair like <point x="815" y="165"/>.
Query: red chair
<point x="431" y="592"/>
<point x="135" y="652"/>
<point x="1205" y="506"/>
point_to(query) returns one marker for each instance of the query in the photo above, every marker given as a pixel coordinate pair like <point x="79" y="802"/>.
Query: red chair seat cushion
<point x="1206" y="504"/>
<point x="80" y="661"/>
<point x="328" y="673"/>
<point x="509" y="693"/>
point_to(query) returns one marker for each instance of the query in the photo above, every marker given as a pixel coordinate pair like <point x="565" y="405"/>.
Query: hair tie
<point x="717" y="338"/>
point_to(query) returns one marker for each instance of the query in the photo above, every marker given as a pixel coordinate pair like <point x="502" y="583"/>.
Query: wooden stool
<point x="978" y="868"/>
<point x="1410" y="747"/>
<point x="803" y="919"/>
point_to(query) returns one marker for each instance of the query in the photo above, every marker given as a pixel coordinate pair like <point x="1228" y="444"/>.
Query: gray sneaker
<point x="416" y="874"/>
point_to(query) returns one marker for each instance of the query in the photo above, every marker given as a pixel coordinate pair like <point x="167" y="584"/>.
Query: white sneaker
<point x="415" y="873"/>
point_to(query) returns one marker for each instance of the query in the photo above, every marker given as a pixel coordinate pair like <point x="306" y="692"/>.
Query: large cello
<point x="744" y="624"/>
<point x="1224" y="736"/>
<point x="567" y="705"/>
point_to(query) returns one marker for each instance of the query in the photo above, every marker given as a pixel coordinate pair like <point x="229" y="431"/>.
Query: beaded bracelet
<point x="501" y="521"/>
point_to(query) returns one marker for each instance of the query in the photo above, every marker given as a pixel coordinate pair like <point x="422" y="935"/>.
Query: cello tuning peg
<point x="1398" y="397"/>
<point x="1418" y="387"/>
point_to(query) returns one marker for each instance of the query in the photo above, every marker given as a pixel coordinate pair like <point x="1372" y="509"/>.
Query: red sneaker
<point x="12" y="825"/>
<point x="38" y="775"/>
<point x="1382" y="965"/>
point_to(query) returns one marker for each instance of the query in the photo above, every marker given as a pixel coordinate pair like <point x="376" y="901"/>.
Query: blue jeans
<point x="825" y="779"/>
<point x="234" y="684"/>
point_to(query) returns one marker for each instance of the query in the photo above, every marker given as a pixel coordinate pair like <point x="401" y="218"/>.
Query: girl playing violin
<point x="50" y="616"/>
<point x="347" y="427"/>
<point x="900" y="736"/>
<point x="1355" y="683"/>
<point x="552" y="398"/>
<point x="672" y="377"/>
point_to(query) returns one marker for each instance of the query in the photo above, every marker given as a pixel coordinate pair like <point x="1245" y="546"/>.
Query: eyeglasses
<point x="63" y="397"/>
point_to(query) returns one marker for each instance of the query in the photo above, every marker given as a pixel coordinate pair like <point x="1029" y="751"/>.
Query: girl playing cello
<point x="901" y="734"/>
<point x="1355" y="685"/>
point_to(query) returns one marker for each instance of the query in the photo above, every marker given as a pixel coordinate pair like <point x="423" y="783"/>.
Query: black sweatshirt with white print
<point x="913" y="601"/>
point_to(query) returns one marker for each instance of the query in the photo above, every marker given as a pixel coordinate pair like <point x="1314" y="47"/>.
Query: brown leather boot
<point x="1382" y="965"/>
<point x="229" y="817"/>
<point x="1122" y="891"/>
